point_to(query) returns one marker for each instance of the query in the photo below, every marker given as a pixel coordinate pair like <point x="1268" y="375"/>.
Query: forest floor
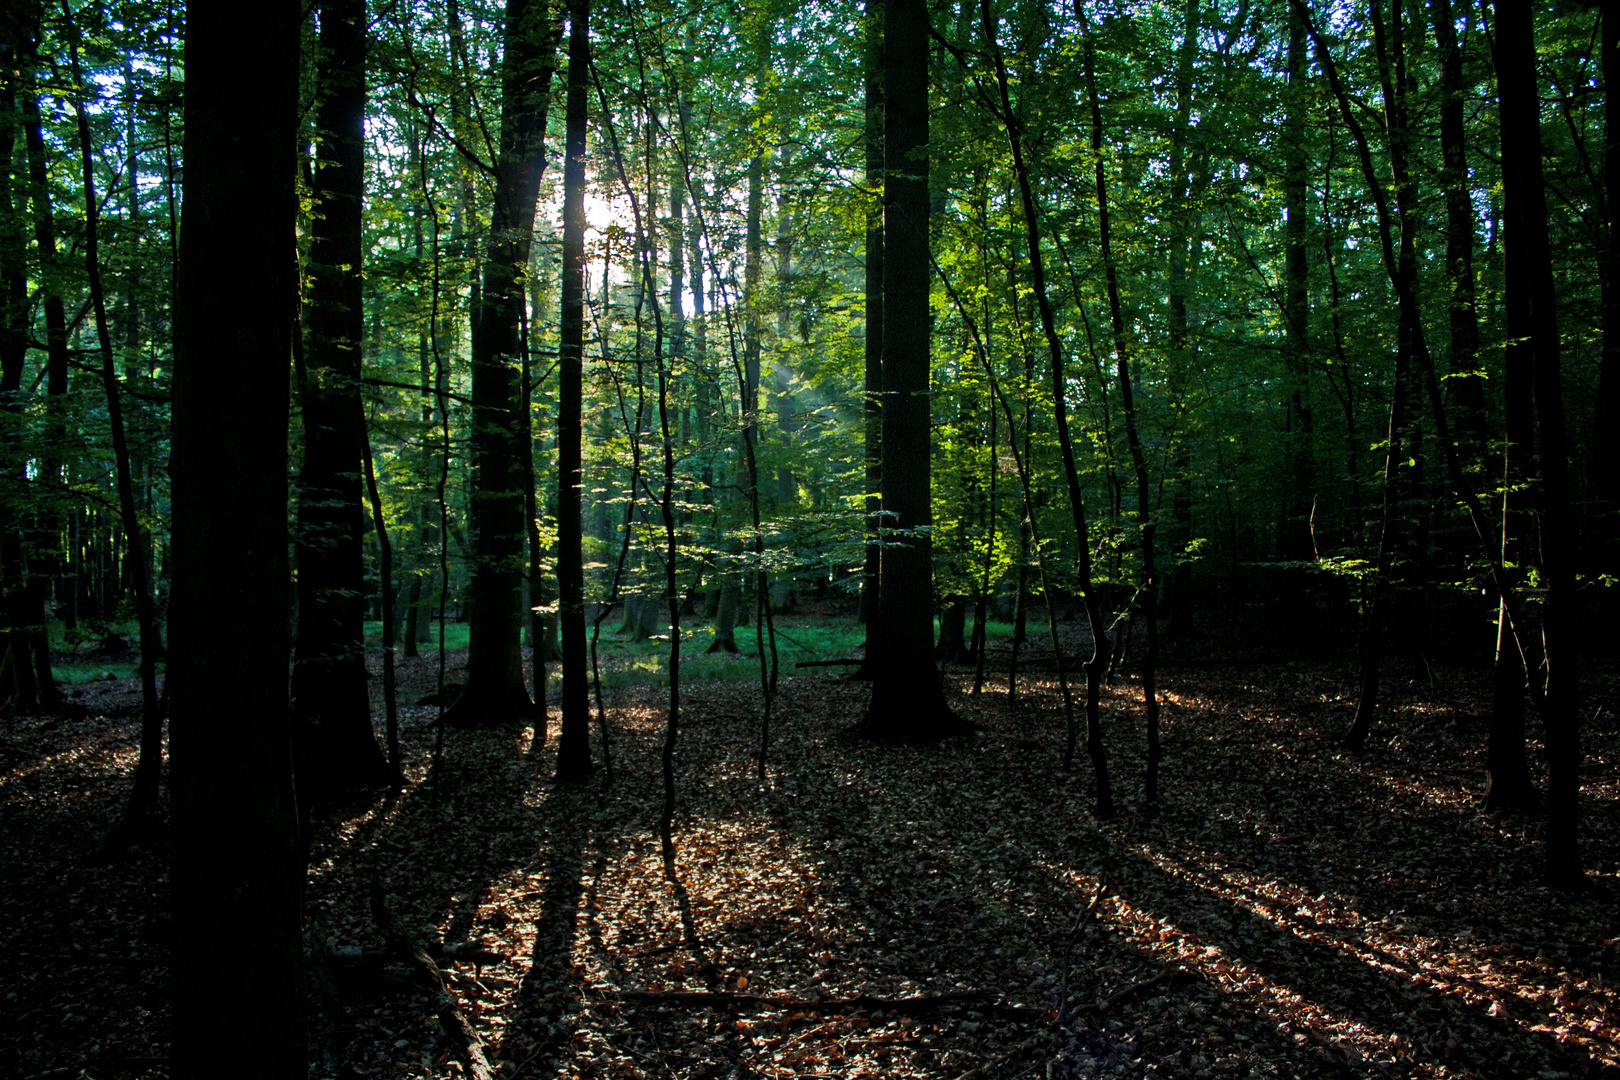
<point x="1294" y="910"/>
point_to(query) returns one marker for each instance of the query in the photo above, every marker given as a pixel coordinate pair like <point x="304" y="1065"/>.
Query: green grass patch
<point x="80" y="674"/>
<point x="455" y="636"/>
<point x="646" y="663"/>
<point x="626" y="663"/>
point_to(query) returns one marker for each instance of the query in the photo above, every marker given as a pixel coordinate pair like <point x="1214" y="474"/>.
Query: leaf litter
<point x="952" y="912"/>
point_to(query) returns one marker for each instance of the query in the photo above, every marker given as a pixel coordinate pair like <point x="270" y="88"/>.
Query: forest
<point x="952" y="539"/>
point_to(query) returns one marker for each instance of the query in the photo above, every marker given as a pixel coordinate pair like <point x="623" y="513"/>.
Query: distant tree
<point x="237" y="876"/>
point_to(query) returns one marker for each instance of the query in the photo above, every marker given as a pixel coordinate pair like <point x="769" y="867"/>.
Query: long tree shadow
<point x="1387" y="995"/>
<point x="538" y="1030"/>
<point x="435" y="849"/>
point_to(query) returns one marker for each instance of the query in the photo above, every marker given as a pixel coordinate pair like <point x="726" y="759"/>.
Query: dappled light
<point x="1293" y="910"/>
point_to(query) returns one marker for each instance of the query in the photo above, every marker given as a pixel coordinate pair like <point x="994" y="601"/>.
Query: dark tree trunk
<point x="1144" y="512"/>
<point x="1533" y="324"/>
<point x="141" y="811"/>
<point x="1466" y="382"/>
<point x="1178" y="599"/>
<point x="1294" y="543"/>
<point x="237" y="876"/>
<point x="385" y="572"/>
<point x="873" y="289"/>
<point x="46" y="519"/>
<point x="1410" y="346"/>
<point x="1295" y="530"/>
<point x="1095" y="748"/>
<point x="953" y="647"/>
<point x="495" y="690"/>
<point x="573" y="752"/>
<point x="1606" y="464"/>
<point x="18" y="689"/>
<point x="908" y="704"/>
<point x="334" y="747"/>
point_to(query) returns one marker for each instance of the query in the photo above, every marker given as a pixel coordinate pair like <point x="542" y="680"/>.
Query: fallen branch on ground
<point x="464" y="952"/>
<point x="917" y="1003"/>
<point x="461" y="1033"/>
<point x="1104" y="1004"/>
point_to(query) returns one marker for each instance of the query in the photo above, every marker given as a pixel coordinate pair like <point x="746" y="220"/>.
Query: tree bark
<point x="573" y="752"/>
<point x="142" y="810"/>
<point x="873" y="289"/>
<point x="237" y="874"/>
<point x="495" y="689"/>
<point x="1095" y="748"/>
<point x="18" y="689"/>
<point x="334" y="747"/>
<point x="1146" y="524"/>
<point x="1533" y="325"/>
<point x="908" y="704"/>
<point x="1178" y="601"/>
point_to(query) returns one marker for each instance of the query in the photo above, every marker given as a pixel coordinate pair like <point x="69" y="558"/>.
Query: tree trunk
<point x="1060" y="413"/>
<point x="907" y="703"/>
<point x="1144" y="511"/>
<point x="1533" y="324"/>
<point x="495" y="691"/>
<point x="574" y="752"/>
<point x="18" y="690"/>
<point x="873" y="289"/>
<point x="334" y="747"/>
<point x="46" y="520"/>
<point x="1606" y="463"/>
<point x="142" y="808"/>
<point x="1402" y="271"/>
<point x="1294" y="544"/>
<point x="237" y="874"/>
<point x="1178" y="601"/>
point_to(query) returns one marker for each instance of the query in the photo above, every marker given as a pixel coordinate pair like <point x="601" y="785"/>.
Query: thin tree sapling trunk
<point x="573" y="753"/>
<point x="1013" y="125"/>
<point x="141" y="814"/>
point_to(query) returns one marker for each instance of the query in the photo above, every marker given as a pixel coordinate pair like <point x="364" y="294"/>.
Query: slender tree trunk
<point x="1294" y="544"/>
<point x="1144" y="510"/>
<point x="1606" y="457"/>
<point x="1296" y="535"/>
<point x="18" y="689"/>
<point x="237" y="876"/>
<point x="1466" y="381"/>
<point x="1037" y="269"/>
<point x="873" y="288"/>
<point x="873" y="324"/>
<point x="1179" y="600"/>
<point x="47" y="519"/>
<point x="1410" y="344"/>
<point x="573" y="753"/>
<point x="142" y="811"/>
<point x="385" y="571"/>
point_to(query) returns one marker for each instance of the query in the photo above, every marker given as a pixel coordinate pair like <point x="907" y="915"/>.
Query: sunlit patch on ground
<point x="945" y="912"/>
